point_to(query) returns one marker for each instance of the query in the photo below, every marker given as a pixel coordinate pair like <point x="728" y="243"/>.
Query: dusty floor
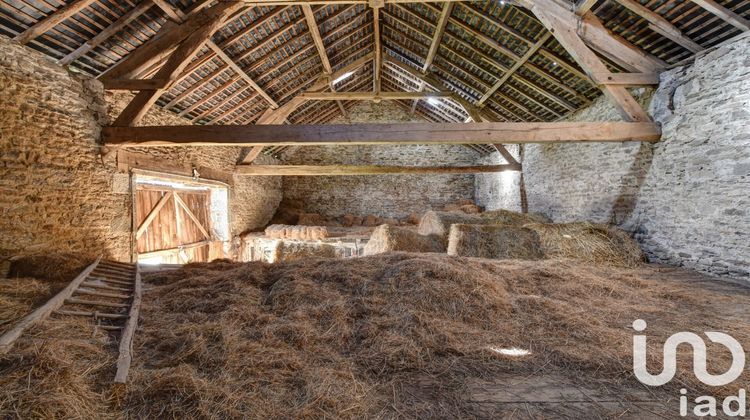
<point x="70" y="378"/>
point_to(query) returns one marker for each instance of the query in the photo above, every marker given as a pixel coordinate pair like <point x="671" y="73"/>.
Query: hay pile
<point x="396" y="335"/>
<point x="20" y="296"/>
<point x="494" y="241"/>
<point x="508" y="217"/>
<point x="386" y="238"/>
<point x="53" y="267"/>
<point x="292" y="251"/>
<point x="588" y="242"/>
<point x="296" y="232"/>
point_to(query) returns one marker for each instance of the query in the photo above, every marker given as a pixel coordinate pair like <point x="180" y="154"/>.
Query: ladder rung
<point x="113" y="275"/>
<point x="118" y="263"/>
<point x="95" y="303"/>
<point x="122" y="283"/>
<point x="102" y="294"/>
<point x="116" y="269"/>
<point x="93" y="314"/>
<point x="109" y="327"/>
<point x="105" y="287"/>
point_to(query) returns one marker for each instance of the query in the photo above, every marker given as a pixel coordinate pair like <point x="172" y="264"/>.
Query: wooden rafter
<point x="727" y="15"/>
<point x="562" y="23"/>
<point x="377" y="64"/>
<point x="411" y="133"/>
<point x="371" y="96"/>
<point x="437" y="38"/>
<point x="660" y="25"/>
<point x="333" y="170"/>
<point x="208" y="21"/>
<point x="52" y="20"/>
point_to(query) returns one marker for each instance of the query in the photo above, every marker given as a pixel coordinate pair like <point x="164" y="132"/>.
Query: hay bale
<point x="386" y="238"/>
<point x="311" y="219"/>
<point x="414" y="218"/>
<point x="438" y="223"/>
<point x="292" y="251"/>
<point x="371" y="221"/>
<point x="588" y="242"/>
<point x="311" y="233"/>
<point x="349" y="220"/>
<point x="507" y="217"/>
<point x="494" y="241"/>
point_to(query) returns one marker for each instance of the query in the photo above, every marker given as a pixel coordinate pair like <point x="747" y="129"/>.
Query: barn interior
<point x="371" y="208"/>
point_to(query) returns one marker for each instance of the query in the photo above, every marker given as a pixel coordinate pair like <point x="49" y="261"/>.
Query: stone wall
<point x="499" y="190"/>
<point x="686" y="198"/>
<point x="56" y="193"/>
<point x="382" y="195"/>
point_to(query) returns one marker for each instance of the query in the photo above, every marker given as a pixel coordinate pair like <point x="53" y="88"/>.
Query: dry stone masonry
<point x="389" y="196"/>
<point x="687" y="198"/>
<point x="56" y="193"/>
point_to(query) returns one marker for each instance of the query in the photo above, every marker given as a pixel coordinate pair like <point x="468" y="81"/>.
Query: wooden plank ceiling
<point x="491" y="55"/>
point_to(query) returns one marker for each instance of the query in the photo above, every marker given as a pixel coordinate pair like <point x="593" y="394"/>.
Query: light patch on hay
<point x="494" y="241"/>
<point x="387" y="238"/>
<point x="588" y="242"/>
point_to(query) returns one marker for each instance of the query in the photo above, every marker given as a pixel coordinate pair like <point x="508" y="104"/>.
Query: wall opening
<point x="179" y="220"/>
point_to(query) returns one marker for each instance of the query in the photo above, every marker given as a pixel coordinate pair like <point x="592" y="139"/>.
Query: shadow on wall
<point x="624" y="205"/>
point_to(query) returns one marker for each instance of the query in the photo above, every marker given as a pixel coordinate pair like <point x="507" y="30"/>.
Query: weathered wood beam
<point x="105" y="34"/>
<point x="505" y="154"/>
<point x="377" y="6"/>
<point x="50" y="21"/>
<point x="615" y="47"/>
<point x="312" y="26"/>
<point x="371" y="96"/>
<point x="626" y="79"/>
<point x="178" y="16"/>
<point x="562" y="23"/>
<point x="335" y="170"/>
<point x="661" y="25"/>
<point x="727" y="15"/>
<point x="520" y="62"/>
<point x="437" y="37"/>
<point x="251" y="155"/>
<point x="210" y="20"/>
<point x="409" y="133"/>
<point x="583" y="6"/>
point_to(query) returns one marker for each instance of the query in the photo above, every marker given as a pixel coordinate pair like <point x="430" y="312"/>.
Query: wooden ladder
<point x="107" y="291"/>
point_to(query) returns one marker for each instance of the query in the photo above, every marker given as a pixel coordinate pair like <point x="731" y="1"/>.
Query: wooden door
<point x="173" y="224"/>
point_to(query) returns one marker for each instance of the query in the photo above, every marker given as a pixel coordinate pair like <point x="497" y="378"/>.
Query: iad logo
<point x="707" y="404"/>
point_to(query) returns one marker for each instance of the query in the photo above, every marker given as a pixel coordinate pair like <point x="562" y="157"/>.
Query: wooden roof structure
<point x="244" y="62"/>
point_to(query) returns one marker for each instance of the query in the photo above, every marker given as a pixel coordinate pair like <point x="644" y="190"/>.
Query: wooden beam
<point x="136" y="84"/>
<point x="105" y="34"/>
<point x="50" y="21"/>
<point x="626" y="79"/>
<point x="152" y="215"/>
<point x="407" y="133"/>
<point x="615" y="47"/>
<point x="437" y="37"/>
<point x="317" y="39"/>
<point x="211" y="19"/>
<point x="336" y="170"/>
<point x="251" y="155"/>
<point x="505" y="154"/>
<point x="127" y="160"/>
<point x="370" y="96"/>
<point x="377" y="64"/>
<point x="661" y="25"/>
<point x="520" y="62"/>
<point x="583" y="6"/>
<point x="562" y="23"/>
<point x="727" y="15"/>
<point x="125" y="356"/>
<point x="225" y="58"/>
